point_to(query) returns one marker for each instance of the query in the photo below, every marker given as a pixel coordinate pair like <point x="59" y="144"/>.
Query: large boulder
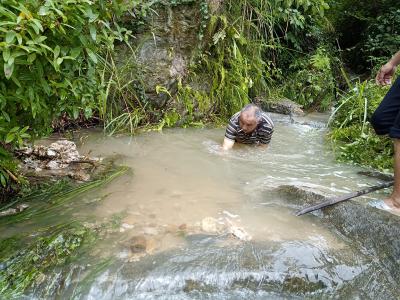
<point x="163" y="49"/>
<point x="371" y="230"/>
<point x="281" y="106"/>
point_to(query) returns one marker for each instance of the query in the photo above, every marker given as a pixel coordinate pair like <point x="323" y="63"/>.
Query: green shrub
<point x="365" y="31"/>
<point x="48" y="58"/>
<point x="382" y="38"/>
<point x="352" y="136"/>
<point x="312" y="83"/>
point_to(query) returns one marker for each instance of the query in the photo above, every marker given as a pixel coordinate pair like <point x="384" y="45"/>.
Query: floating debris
<point x="224" y="225"/>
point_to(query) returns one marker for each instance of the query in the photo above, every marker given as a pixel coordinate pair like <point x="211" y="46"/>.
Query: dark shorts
<point x="386" y="118"/>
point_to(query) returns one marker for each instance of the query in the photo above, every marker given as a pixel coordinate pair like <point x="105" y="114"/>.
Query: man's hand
<point x="384" y="76"/>
<point x="263" y="146"/>
<point x="228" y="144"/>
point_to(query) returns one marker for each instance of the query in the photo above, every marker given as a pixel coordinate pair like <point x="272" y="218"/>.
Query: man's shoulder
<point x="266" y="120"/>
<point x="235" y="117"/>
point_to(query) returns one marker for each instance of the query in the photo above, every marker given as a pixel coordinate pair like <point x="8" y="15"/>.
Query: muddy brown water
<point x="181" y="180"/>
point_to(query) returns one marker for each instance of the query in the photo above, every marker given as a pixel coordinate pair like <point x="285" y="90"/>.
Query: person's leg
<point x="384" y="117"/>
<point x="394" y="200"/>
<point x="386" y="120"/>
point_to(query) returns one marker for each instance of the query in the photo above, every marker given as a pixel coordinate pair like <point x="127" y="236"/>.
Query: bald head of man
<point x="249" y="118"/>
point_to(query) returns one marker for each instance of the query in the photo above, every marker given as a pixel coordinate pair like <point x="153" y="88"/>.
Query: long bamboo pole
<point x="334" y="200"/>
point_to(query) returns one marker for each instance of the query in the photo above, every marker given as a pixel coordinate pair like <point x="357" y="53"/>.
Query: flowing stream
<point x="211" y="225"/>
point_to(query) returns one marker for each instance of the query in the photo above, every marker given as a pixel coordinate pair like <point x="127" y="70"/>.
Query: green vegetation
<point x="22" y="268"/>
<point x="60" y="66"/>
<point x="26" y="257"/>
<point x="367" y="33"/>
<point x="352" y="135"/>
<point x="49" y="52"/>
<point x="313" y="83"/>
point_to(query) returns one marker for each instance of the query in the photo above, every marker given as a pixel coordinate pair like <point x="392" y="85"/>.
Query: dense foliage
<point x="352" y="135"/>
<point x="49" y="52"/>
<point x="367" y="33"/>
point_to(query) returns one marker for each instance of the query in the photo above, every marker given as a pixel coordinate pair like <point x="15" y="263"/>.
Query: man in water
<point x="386" y="120"/>
<point x="249" y="126"/>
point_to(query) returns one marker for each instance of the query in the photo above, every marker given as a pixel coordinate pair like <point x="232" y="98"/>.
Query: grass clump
<point x="352" y="136"/>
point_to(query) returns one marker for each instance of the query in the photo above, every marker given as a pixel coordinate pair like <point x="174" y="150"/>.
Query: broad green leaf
<point x="56" y="51"/>
<point x="88" y="112"/>
<point x="16" y="81"/>
<point x="31" y="58"/>
<point x="8" y="69"/>
<point x="59" y="60"/>
<point x="6" y="54"/>
<point x="35" y="27"/>
<point x="11" y="59"/>
<point x="75" y="52"/>
<point x="92" y="55"/>
<point x="7" y="13"/>
<point x="45" y="47"/>
<point x="6" y="116"/>
<point x="14" y="129"/>
<point x="3" y="180"/>
<point x="10" y="137"/>
<point x="41" y="39"/>
<point x="10" y="35"/>
<point x="43" y="10"/>
<point x="93" y="32"/>
<point x="75" y="113"/>
<point x="89" y="13"/>
<point x="37" y="23"/>
<point x="19" y="38"/>
<point x="17" y="53"/>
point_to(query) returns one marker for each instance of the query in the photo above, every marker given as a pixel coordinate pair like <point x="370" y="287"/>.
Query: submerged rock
<point x="371" y="230"/>
<point x="377" y="175"/>
<point x="224" y="226"/>
<point x="138" y="244"/>
<point x="211" y="225"/>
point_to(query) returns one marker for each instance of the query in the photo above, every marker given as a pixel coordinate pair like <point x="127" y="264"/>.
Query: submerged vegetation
<point x="52" y="245"/>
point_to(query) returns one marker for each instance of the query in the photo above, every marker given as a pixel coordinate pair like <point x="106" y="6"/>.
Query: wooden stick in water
<point x="334" y="200"/>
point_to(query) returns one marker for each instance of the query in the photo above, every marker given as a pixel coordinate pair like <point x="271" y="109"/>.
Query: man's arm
<point x="265" y="137"/>
<point x="230" y="135"/>
<point x="228" y="144"/>
<point x="386" y="72"/>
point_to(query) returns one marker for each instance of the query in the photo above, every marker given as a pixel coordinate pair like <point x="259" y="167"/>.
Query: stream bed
<point x="194" y="222"/>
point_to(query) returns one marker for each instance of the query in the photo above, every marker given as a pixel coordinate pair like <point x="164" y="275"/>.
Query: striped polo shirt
<point x="261" y="135"/>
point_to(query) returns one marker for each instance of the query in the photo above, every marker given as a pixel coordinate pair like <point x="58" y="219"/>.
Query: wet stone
<point x="369" y="229"/>
<point x="138" y="244"/>
<point x="59" y="159"/>
<point x="13" y="211"/>
<point x="300" y="285"/>
<point x="377" y="175"/>
<point x="280" y="106"/>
